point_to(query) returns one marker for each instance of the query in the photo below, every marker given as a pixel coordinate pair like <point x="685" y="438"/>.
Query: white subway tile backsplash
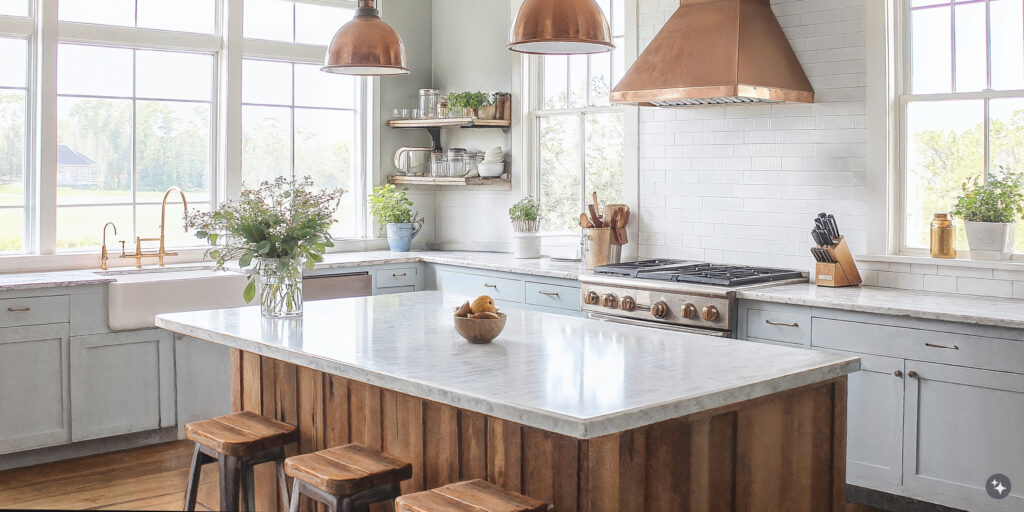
<point x="900" y="280"/>
<point x="986" y="287"/>
<point x="936" y="283"/>
<point x="1018" y="290"/>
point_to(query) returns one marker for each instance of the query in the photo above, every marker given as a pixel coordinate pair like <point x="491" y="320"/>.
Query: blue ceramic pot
<point x="400" y="235"/>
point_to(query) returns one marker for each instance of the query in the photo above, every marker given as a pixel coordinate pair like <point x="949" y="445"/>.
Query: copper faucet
<point x="138" y="255"/>
<point x="103" y="251"/>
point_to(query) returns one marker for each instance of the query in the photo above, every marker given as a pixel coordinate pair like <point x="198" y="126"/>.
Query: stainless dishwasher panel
<point x="337" y="286"/>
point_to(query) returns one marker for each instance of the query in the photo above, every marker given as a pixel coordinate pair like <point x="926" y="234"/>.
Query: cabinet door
<point x="962" y="426"/>
<point x="34" y="388"/>
<point x="121" y="382"/>
<point x="874" y="431"/>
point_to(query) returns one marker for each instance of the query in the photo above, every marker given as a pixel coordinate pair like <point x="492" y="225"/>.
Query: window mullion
<point x="230" y="102"/>
<point x="43" y="213"/>
<point x="581" y="130"/>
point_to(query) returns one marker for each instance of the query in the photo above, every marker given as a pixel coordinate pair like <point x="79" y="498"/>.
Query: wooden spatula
<point x="622" y="211"/>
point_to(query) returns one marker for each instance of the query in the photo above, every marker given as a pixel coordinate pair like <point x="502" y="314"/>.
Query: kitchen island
<point x="584" y="414"/>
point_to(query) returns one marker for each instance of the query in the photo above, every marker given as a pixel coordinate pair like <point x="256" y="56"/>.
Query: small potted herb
<point x="467" y="104"/>
<point x="278" y="228"/>
<point x="393" y="210"/>
<point x="525" y="217"/>
<point x="989" y="211"/>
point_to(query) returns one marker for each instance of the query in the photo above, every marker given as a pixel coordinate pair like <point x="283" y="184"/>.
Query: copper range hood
<point x="716" y="52"/>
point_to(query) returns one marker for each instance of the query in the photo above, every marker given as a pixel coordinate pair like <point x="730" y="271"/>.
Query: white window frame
<point x="533" y="97"/>
<point x="889" y="57"/>
<point x="228" y="47"/>
<point x="24" y="28"/>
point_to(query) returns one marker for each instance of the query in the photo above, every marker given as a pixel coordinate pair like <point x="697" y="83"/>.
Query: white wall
<point x="741" y="184"/>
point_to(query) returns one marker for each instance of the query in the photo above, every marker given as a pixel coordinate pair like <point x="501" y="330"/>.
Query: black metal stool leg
<point x="282" y="483"/>
<point x="249" y="487"/>
<point x="192" y="491"/>
<point x="296" y="496"/>
<point x="230" y="476"/>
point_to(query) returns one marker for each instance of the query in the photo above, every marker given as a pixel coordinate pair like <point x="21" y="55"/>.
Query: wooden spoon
<point x="584" y="221"/>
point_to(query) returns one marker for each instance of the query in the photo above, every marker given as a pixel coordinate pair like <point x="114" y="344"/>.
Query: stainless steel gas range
<point x="681" y="295"/>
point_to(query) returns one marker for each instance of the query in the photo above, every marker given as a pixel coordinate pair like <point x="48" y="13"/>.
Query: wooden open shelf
<point x="451" y="182"/>
<point x="456" y="122"/>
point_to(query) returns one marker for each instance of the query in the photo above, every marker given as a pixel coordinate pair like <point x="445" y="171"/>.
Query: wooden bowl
<point x="480" y="330"/>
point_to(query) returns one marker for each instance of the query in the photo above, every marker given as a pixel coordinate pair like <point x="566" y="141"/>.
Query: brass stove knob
<point x="627" y="303"/>
<point x="609" y="300"/>
<point x="591" y="297"/>
<point x="659" y="310"/>
<point x="709" y="313"/>
<point x="689" y="311"/>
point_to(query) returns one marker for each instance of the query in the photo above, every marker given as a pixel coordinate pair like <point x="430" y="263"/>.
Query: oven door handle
<point x="670" y="327"/>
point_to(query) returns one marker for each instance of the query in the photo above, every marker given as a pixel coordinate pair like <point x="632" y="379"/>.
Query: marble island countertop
<point x="503" y="262"/>
<point x="994" y="311"/>
<point x="572" y="376"/>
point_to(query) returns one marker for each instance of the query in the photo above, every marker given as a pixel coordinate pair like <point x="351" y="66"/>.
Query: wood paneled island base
<point x="782" y="452"/>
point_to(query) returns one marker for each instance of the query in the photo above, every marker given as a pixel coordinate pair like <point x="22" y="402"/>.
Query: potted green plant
<point x="467" y="104"/>
<point x="989" y="210"/>
<point x="525" y="217"/>
<point x="278" y="228"/>
<point x="393" y="210"/>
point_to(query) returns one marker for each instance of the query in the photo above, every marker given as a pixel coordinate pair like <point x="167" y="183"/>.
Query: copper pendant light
<point x="366" y="46"/>
<point x="560" y="27"/>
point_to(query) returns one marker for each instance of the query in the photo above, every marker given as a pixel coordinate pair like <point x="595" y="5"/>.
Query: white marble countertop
<point x="993" y="311"/>
<point x="574" y="376"/>
<point x="34" y="280"/>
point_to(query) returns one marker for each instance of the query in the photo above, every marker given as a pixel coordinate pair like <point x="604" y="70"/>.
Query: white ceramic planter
<point x="991" y="241"/>
<point x="526" y="245"/>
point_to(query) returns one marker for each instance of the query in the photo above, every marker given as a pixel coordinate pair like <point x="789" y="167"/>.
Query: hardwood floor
<point x="148" y="478"/>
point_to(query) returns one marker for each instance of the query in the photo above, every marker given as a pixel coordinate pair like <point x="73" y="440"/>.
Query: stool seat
<point x="347" y="470"/>
<point x="470" y="496"/>
<point x="240" y="434"/>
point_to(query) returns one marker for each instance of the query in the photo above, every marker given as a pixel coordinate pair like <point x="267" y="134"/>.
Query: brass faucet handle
<point x="122" y="248"/>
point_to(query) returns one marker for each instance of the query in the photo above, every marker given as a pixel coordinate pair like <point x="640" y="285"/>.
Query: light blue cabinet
<point x="538" y="293"/>
<point x="34" y="401"/>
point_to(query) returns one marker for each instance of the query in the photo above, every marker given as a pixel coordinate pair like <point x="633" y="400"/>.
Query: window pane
<point x="106" y="12"/>
<point x="269" y="19"/>
<point x="94" y="70"/>
<point x="618" y="60"/>
<point x="324" y="140"/>
<point x="1007" y="44"/>
<point x="555" y="95"/>
<point x="14" y="8"/>
<point x="618" y="20"/>
<point x="170" y="75"/>
<point x="173" y="149"/>
<point x="182" y="15"/>
<point x="147" y="221"/>
<point x="12" y="230"/>
<point x="81" y="227"/>
<point x="1007" y="134"/>
<point x="945" y="146"/>
<point x="931" y="50"/>
<point x="94" y="151"/>
<point x="971" y="57"/>
<point x="560" y="180"/>
<point x="266" y="143"/>
<point x="605" y="138"/>
<point x="924" y="3"/>
<point x="577" y="81"/>
<point x="266" y="82"/>
<point x="600" y="78"/>
<point x="12" y="149"/>
<point x="13" y="53"/>
<point x="316" y="24"/>
<point x="314" y="88"/>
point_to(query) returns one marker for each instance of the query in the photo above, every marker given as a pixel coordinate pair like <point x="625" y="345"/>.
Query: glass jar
<point x="280" y="284"/>
<point x="473" y="159"/>
<point x="456" y="162"/>
<point x="438" y="165"/>
<point x="429" y="99"/>
<point x="943" y="237"/>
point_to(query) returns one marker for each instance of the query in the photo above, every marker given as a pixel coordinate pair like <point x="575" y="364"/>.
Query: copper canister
<point x="943" y="237"/>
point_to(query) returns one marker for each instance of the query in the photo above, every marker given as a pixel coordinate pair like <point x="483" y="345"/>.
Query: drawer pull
<point x="912" y="374"/>
<point x="398" y="275"/>
<point x="782" y="324"/>
<point x="549" y="294"/>
<point x="489" y="285"/>
<point x="19" y="310"/>
<point x="897" y="373"/>
<point x="932" y="345"/>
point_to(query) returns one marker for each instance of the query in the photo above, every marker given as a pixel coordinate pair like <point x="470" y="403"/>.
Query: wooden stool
<point x="238" y="442"/>
<point x="346" y="478"/>
<point x="471" y="496"/>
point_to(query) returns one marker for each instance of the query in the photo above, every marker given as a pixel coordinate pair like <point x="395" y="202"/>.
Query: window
<point x="297" y="120"/>
<point x="962" y="98"/>
<point x="130" y="124"/>
<point x="178" y="15"/>
<point x="579" y="136"/>
<point x="13" y="150"/>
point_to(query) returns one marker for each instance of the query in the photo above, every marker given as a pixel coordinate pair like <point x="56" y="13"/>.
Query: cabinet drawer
<point x="34" y="311"/>
<point x="391" y="277"/>
<point x="774" y="342"/>
<point x="920" y="345"/>
<point x="553" y="296"/>
<point x="472" y="285"/>
<point x="785" y="326"/>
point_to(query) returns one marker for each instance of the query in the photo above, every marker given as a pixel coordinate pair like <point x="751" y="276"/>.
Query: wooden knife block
<point x="843" y="273"/>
